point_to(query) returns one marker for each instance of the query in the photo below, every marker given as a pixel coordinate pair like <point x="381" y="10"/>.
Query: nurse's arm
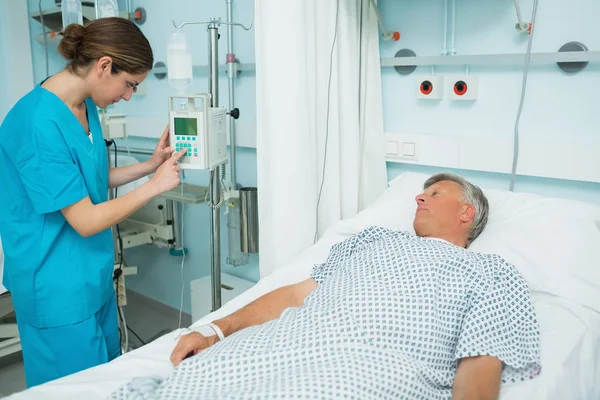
<point x="89" y="219"/>
<point x="123" y="175"/>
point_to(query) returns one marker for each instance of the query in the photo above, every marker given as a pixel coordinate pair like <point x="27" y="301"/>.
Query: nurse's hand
<point x="191" y="344"/>
<point x="162" y="152"/>
<point x="167" y="175"/>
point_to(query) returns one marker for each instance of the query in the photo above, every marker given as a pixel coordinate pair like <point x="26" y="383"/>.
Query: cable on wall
<point x="335" y="34"/>
<point x="513" y="174"/>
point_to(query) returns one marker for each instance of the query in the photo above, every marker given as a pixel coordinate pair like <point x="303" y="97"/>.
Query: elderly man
<point x="387" y="315"/>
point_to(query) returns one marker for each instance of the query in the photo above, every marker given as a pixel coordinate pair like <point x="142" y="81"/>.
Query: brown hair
<point x="117" y="38"/>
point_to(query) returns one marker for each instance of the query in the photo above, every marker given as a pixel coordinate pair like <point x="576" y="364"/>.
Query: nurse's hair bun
<point x="115" y="38"/>
<point x="71" y="42"/>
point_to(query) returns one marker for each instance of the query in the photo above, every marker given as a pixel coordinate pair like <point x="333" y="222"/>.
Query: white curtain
<point x="320" y="143"/>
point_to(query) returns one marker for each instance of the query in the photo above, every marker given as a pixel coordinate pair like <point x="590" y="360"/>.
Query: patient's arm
<point x="265" y="308"/>
<point x="268" y="307"/>
<point x="477" y="378"/>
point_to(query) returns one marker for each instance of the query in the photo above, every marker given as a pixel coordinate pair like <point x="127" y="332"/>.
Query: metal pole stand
<point x="216" y="190"/>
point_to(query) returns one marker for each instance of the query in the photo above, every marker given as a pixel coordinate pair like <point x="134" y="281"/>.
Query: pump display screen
<point x="186" y="126"/>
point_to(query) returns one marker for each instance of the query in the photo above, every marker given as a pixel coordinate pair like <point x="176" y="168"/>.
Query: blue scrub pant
<point x="51" y="353"/>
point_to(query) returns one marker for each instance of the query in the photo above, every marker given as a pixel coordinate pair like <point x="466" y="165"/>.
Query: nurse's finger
<point x="164" y="136"/>
<point x="177" y="168"/>
<point x="177" y="155"/>
<point x="169" y="150"/>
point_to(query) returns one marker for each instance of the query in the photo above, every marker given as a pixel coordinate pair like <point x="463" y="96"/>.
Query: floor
<point x="12" y="377"/>
<point x="147" y="318"/>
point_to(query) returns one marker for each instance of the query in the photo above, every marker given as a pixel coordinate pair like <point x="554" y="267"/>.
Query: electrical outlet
<point x="430" y="87"/>
<point x="404" y="147"/>
<point x="464" y="88"/>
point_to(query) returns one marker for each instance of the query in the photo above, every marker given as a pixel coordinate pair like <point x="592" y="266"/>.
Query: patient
<point x="388" y="315"/>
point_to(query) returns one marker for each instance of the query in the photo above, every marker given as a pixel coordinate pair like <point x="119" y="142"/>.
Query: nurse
<point x="55" y="219"/>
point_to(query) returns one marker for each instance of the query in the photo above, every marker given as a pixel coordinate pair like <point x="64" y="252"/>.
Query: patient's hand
<point x="191" y="344"/>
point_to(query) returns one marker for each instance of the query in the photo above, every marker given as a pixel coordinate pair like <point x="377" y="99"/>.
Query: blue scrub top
<point x="47" y="162"/>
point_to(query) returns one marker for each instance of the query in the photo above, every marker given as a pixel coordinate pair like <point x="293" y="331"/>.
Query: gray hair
<point x="472" y="195"/>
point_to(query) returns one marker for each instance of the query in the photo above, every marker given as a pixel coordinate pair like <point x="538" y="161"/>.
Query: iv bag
<point x="71" y="12"/>
<point x="179" y="63"/>
<point x="106" y="8"/>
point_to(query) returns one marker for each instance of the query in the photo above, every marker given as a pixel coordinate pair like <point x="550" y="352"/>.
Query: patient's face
<point x="440" y="210"/>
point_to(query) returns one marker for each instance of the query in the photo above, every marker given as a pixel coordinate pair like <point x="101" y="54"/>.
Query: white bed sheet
<point x="570" y="346"/>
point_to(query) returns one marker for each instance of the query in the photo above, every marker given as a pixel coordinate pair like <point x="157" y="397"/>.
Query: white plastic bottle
<point x="71" y="12"/>
<point x="106" y="8"/>
<point x="179" y="63"/>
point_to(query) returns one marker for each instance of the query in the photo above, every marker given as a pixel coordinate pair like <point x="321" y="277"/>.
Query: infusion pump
<point x="199" y="129"/>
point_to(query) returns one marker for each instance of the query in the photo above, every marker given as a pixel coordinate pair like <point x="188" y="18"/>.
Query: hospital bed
<point x="553" y="243"/>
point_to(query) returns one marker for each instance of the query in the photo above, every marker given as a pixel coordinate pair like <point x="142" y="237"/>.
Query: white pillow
<point x="555" y="243"/>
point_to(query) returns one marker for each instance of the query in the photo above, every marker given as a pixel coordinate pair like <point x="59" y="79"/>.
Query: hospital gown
<point x="392" y="316"/>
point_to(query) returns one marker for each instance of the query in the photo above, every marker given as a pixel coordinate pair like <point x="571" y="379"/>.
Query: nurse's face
<point x="109" y="88"/>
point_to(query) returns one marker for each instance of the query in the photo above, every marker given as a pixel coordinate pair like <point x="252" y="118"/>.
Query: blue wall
<point x="556" y="104"/>
<point x="484" y="26"/>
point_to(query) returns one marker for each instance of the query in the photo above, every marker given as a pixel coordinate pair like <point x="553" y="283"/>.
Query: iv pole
<point x="215" y="174"/>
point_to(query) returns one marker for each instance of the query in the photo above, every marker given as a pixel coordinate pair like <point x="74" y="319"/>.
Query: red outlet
<point x="460" y="88"/>
<point x="426" y="87"/>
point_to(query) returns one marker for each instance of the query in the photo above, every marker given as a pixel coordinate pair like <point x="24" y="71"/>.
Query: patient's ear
<point x="467" y="214"/>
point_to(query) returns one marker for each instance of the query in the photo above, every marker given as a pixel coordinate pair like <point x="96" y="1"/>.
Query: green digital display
<point x="186" y="126"/>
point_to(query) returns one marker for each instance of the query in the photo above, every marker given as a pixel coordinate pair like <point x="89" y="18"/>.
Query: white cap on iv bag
<point x="179" y="63"/>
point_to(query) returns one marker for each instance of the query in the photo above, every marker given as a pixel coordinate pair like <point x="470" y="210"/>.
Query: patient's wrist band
<point x="204" y="330"/>
<point x="217" y="330"/>
<point x="209" y="329"/>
